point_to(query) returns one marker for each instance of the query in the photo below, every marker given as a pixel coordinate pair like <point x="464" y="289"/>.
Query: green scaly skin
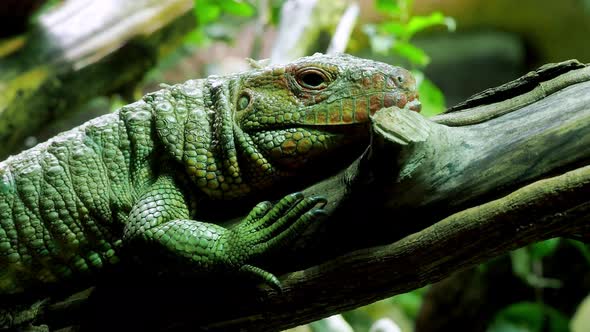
<point x="70" y="205"/>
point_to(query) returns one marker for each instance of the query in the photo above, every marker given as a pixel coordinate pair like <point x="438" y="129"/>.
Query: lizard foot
<point x="268" y="228"/>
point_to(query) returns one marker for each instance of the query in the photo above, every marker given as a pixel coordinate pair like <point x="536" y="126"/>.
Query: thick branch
<point x="547" y="208"/>
<point x="458" y="165"/>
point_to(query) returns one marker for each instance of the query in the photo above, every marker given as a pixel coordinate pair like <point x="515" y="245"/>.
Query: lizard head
<point x="244" y="132"/>
<point x="317" y="106"/>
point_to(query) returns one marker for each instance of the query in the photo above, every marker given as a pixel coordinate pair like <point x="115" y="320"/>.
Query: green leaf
<point x="275" y="11"/>
<point x="522" y="266"/>
<point x="419" y="23"/>
<point x="412" y="53"/>
<point x="117" y="102"/>
<point x="504" y="326"/>
<point x="390" y="7"/>
<point x="525" y="315"/>
<point x="196" y="37"/>
<point x="543" y="248"/>
<point x="432" y="99"/>
<point x="529" y="316"/>
<point x="521" y="262"/>
<point x="558" y="322"/>
<point x="206" y="12"/>
<point x="409" y="302"/>
<point x="237" y="7"/>
<point x="397" y="29"/>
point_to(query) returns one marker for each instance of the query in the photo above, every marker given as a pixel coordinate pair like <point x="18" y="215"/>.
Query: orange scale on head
<point x="375" y="103"/>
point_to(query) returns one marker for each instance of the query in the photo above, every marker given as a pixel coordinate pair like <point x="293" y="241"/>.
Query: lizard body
<point x="142" y="176"/>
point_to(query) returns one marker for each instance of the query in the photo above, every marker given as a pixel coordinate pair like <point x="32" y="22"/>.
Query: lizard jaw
<point x="358" y="110"/>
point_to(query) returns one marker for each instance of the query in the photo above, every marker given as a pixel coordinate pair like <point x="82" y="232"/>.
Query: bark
<point x="60" y="64"/>
<point x="425" y="200"/>
<point x="460" y="195"/>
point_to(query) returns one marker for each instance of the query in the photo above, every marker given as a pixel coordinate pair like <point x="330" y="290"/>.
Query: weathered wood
<point x="520" y="86"/>
<point x="61" y="63"/>
<point x="463" y="163"/>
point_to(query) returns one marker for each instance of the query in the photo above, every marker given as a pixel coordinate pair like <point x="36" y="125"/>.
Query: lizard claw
<point x="268" y="229"/>
<point x="265" y="277"/>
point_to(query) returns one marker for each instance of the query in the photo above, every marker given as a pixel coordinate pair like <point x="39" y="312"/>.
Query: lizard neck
<point x="236" y="167"/>
<point x="195" y="123"/>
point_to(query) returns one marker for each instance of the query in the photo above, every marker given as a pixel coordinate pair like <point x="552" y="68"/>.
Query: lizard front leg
<point x="161" y="219"/>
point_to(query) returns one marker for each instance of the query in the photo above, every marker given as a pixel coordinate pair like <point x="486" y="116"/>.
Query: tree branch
<point x="425" y="200"/>
<point x="545" y="209"/>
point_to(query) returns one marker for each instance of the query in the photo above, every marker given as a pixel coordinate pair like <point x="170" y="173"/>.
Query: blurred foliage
<point x="45" y="7"/>
<point x="401" y="309"/>
<point x="432" y="99"/>
<point x="527" y="265"/>
<point x="582" y="248"/>
<point x="209" y="12"/>
<point x="210" y="16"/>
<point x="394" y="35"/>
<point x="524" y="261"/>
<point x="389" y="37"/>
<point x="529" y="317"/>
<point x="581" y="319"/>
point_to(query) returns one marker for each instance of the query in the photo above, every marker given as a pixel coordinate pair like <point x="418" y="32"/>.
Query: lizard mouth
<point x="413" y="105"/>
<point x="352" y="113"/>
<point x="358" y="110"/>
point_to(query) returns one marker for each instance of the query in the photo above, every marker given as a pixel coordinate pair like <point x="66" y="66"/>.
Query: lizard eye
<point x="243" y="101"/>
<point x="313" y="79"/>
